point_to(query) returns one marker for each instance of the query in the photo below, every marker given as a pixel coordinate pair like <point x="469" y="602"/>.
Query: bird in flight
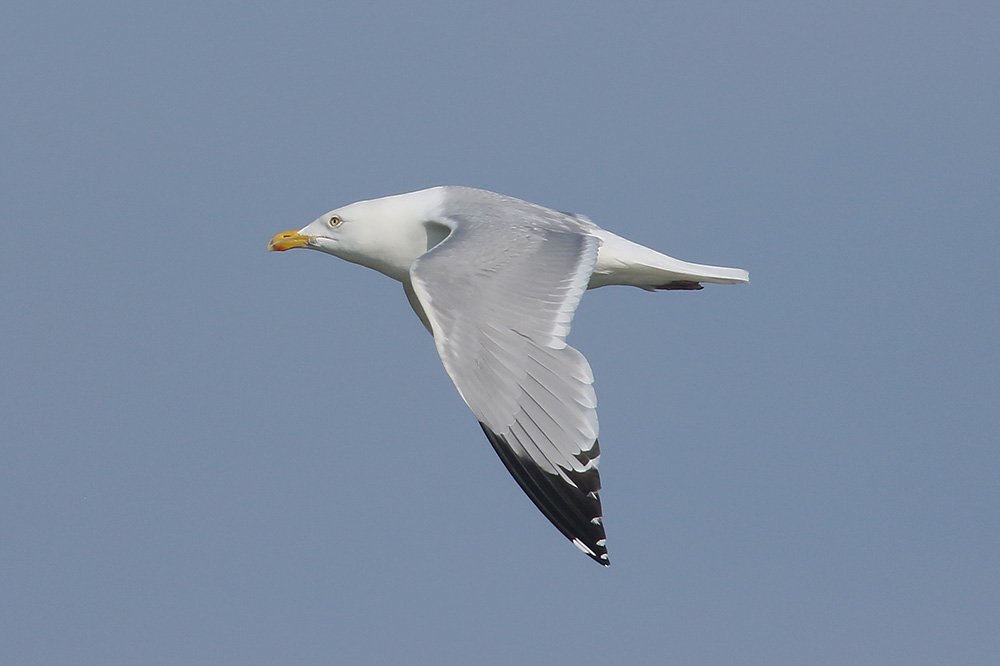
<point x="496" y="280"/>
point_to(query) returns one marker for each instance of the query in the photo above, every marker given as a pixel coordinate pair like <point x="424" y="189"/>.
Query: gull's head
<point x="385" y="234"/>
<point x="325" y="233"/>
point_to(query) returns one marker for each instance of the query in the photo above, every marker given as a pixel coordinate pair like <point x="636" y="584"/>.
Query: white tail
<point x="620" y="261"/>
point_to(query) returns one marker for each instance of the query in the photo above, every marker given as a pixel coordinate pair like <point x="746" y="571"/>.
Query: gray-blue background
<point x="216" y="455"/>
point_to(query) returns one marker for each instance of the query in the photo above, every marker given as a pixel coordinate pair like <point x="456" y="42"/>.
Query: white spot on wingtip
<point x="582" y="546"/>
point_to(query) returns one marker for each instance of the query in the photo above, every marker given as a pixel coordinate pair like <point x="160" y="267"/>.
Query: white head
<point x="386" y="234"/>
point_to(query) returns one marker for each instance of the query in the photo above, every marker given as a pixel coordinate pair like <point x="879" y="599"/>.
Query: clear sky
<point x="212" y="454"/>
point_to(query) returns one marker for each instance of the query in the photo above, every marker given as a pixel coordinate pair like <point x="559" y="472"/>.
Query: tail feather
<point x="675" y="270"/>
<point x="621" y="261"/>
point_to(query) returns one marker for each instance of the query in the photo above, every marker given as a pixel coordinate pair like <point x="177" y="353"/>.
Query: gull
<point x="496" y="281"/>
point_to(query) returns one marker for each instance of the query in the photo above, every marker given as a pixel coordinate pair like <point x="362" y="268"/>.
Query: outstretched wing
<point x="500" y="300"/>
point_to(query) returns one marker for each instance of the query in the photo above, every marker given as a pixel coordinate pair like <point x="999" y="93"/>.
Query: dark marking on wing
<point x="575" y="511"/>
<point x="685" y="285"/>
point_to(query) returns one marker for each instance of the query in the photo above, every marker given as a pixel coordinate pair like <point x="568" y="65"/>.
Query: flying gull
<point x="496" y="281"/>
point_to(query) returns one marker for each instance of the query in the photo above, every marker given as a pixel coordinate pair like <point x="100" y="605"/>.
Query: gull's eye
<point x="335" y="221"/>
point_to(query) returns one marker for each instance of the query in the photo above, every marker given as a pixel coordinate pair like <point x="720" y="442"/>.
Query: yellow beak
<point x="287" y="240"/>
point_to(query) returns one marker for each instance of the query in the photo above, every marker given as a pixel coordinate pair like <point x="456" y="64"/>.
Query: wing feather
<point x="500" y="300"/>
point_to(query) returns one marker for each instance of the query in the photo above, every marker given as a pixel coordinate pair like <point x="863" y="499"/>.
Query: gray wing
<point x="500" y="300"/>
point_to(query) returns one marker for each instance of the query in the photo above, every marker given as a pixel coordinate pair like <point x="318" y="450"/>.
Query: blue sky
<point x="216" y="455"/>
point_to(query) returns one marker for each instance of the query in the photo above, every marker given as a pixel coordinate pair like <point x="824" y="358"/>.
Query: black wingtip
<point x="574" y="512"/>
